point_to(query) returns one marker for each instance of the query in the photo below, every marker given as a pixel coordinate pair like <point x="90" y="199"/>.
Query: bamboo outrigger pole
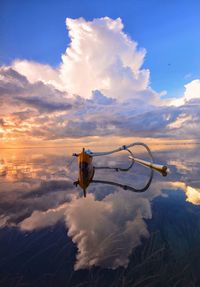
<point x="157" y="167"/>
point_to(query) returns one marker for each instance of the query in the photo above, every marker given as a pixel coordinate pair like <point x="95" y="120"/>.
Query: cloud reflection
<point x="3" y="169"/>
<point x="193" y="195"/>
<point x="106" y="231"/>
<point x="41" y="219"/>
<point x="110" y="222"/>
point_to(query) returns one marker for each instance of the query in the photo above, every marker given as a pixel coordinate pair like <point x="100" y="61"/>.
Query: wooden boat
<point x="87" y="170"/>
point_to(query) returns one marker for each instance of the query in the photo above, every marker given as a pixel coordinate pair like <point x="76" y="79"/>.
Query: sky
<point x="168" y="30"/>
<point x="136" y="62"/>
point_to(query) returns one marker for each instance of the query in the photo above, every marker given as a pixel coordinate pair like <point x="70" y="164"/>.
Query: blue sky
<point x="168" y="30"/>
<point x="86" y="77"/>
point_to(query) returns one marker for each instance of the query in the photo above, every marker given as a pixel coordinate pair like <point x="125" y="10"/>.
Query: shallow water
<point x="51" y="236"/>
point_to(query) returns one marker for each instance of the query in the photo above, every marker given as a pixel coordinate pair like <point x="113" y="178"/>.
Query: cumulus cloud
<point x="191" y="94"/>
<point x="100" y="88"/>
<point x="192" y="90"/>
<point x="32" y="182"/>
<point x="109" y="60"/>
<point x="100" y="57"/>
<point x="15" y="89"/>
<point x="34" y="196"/>
<point x="104" y="239"/>
<point x="35" y="72"/>
<point x="41" y="219"/>
<point x="104" y="231"/>
<point x="193" y="195"/>
<point x="121" y="226"/>
<point x="106" y="225"/>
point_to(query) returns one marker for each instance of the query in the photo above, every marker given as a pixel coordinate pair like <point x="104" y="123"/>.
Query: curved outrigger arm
<point x="127" y="187"/>
<point x="157" y="167"/>
<point x="124" y="147"/>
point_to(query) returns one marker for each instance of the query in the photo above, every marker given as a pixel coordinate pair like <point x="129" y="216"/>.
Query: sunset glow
<point x="99" y="143"/>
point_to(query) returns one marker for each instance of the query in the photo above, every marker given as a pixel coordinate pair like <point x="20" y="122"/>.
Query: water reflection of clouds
<point x="110" y="222"/>
<point x="3" y="169"/>
<point x="192" y="193"/>
<point x="105" y="231"/>
<point x="33" y="182"/>
<point x="185" y="168"/>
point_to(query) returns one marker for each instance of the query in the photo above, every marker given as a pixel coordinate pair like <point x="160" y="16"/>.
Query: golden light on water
<point x="193" y="195"/>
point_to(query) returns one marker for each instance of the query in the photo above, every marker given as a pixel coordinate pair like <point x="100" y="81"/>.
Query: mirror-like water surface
<point x="51" y="236"/>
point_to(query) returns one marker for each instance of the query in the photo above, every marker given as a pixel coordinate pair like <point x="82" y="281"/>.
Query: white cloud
<point x="102" y="57"/>
<point x="107" y="237"/>
<point x="35" y="72"/>
<point x="116" y="226"/>
<point x="192" y="90"/>
<point x="103" y="67"/>
<point x="192" y="93"/>
<point x="41" y="219"/>
<point x="193" y="195"/>
<point x="180" y="120"/>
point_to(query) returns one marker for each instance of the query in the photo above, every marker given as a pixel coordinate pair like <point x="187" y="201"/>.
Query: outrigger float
<point x="87" y="170"/>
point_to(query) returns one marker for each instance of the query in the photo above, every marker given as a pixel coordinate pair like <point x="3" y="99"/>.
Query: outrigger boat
<point x="87" y="170"/>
